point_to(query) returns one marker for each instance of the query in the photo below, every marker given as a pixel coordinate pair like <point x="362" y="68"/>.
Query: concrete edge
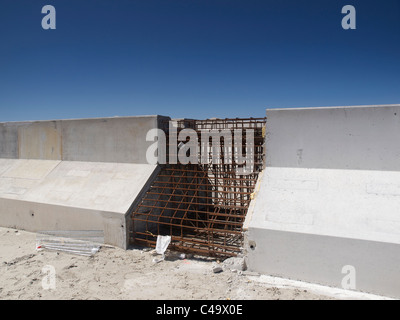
<point x="250" y="211"/>
<point x="333" y="107"/>
<point x="336" y="293"/>
<point x="140" y="195"/>
<point x="80" y="119"/>
<point x="324" y="260"/>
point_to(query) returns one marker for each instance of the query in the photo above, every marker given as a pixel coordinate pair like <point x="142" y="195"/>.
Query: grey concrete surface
<point x="329" y="197"/>
<point x="43" y="195"/>
<point x="324" y="260"/>
<point x="357" y="204"/>
<point x="118" y="139"/>
<point x="75" y="174"/>
<point x="364" y="138"/>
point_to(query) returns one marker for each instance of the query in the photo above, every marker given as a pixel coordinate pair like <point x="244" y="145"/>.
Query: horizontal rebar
<point x="205" y="203"/>
<point x="228" y="231"/>
<point x="191" y="240"/>
<point x="215" y="191"/>
<point x="200" y="203"/>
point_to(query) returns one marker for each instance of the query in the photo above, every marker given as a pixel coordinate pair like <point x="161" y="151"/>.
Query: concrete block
<point x="118" y="139"/>
<point x="311" y="231"/>
<point x="325" y="260"/>
<point x="329" y="199"/>
<point x="121" y="140"/>
<point x="75" y="174"/>
<point x="329" y="202"/>
<point x="40" y="195"/>
<point x="358" y="138"/>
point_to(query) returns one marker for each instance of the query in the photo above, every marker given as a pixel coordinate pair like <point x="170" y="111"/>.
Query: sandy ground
<point x="113" y="273"/>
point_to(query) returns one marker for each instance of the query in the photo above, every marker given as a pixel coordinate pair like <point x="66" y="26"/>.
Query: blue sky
<point x="194" y="58"/>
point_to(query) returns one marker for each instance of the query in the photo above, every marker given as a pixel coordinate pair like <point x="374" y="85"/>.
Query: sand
<point x="113" y="273"/>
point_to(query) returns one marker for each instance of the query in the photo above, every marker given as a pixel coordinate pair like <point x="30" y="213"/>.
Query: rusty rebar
<point x="201" y="206"/>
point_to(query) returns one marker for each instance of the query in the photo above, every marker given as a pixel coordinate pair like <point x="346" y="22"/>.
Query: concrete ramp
<point x="39" y="195"/>
<point x="327" y="206"/>
<point x="42" y="189"/>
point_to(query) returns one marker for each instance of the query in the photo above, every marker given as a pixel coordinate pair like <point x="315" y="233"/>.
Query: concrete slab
<point x="30" y="169"/>
<point x="75" y="174"/>
<point x="326" y="207"/>
<point x="92" y="185"/>
<point x="309" y="224"/>
<point x="357" y="204"/>
<point x="6" y="164"/>
<point x="39" y="195"/>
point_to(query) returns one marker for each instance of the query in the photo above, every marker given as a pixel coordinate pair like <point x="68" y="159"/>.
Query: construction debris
<point x="84" y="243"/>
<point x="217" y="269"/>
<point x="235" y="263"/>
<point x="161" y="246"/>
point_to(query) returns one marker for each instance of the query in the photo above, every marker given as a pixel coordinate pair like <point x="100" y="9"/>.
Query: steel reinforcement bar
<point x="201" y="206"/>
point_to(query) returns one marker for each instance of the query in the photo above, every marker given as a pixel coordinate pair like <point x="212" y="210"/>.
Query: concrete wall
<point x="40" y="140"/>
<point x="8" y="140"/>
<point x="324" y="260"/>
<point x="121" y="139"/>
<point x="329" y="198"/>
<point x="357" y="204"/>
<point x="81" y="174"/>
<point x="337" y="138"/>
<point x="36" y="217"/>
<point x="38" y="195"/>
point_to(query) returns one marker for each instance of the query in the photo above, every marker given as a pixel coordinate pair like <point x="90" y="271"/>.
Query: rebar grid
<point x="201" y="206"/>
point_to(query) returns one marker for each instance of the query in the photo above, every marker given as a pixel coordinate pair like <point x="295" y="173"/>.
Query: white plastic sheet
<point x="83" y="242"/>
<point x="161" y="246"/>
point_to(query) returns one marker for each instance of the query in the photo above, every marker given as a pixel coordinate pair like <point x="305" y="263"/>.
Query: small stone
<point x="235" y="263"/>
<point x="217" y="269"/>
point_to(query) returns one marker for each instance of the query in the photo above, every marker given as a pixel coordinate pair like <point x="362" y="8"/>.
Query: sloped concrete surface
<point x="326" y="207"/>
<point x="308" y="224"/>
<point x="39" y="195"/>
<point x="343" y="203"/>
<point x="74" y="174"/>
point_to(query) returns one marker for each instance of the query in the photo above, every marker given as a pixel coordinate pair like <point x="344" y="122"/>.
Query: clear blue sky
<point x="194" y="58"/>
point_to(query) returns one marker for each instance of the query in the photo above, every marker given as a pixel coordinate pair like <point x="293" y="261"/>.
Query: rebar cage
<point x="202" y="205"/>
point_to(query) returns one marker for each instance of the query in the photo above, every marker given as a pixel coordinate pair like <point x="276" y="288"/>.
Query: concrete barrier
<point x="80" y="174"/>
<point x="328" y="200"/>
<point x="119" y="139"/>
<point x="359" y="138"/>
